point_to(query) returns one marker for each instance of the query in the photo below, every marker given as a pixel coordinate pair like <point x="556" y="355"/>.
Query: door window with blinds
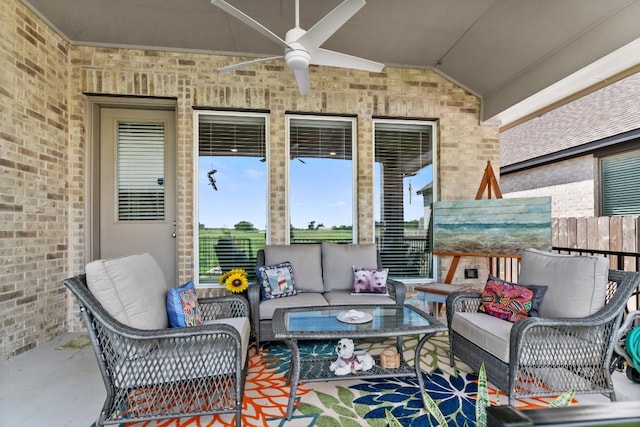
<point x="403" y="192"/>
<point x="321" y="178"/>
<point x="232" y="192"/>
<point x="620" y="184"/>
<point x="140" y="171"/>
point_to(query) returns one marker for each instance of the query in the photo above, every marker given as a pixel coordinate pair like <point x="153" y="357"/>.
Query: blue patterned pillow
<point x="276" y="281"/>
<point x="538" y="295"/>
<point x="182" y="306"/>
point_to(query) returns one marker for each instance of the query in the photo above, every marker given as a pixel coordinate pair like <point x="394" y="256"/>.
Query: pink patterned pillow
<point x="506" y="300"/>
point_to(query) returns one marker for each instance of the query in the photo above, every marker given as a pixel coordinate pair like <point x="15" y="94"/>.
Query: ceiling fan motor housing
<point x="296" y="56"/>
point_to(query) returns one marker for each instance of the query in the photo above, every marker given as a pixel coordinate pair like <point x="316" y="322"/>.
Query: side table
<point x="433" y="295"/>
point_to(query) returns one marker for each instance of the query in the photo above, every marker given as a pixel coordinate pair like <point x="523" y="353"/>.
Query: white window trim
<point x="195" y="192"/>
<point x="354" y="166"/>
<point x="434" y="162"/>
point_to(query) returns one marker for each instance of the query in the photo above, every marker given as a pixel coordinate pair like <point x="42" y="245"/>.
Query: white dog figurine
<point x="350" y="361"/>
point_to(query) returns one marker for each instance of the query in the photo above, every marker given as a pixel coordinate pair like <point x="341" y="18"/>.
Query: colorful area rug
<point x="355" y="402"/>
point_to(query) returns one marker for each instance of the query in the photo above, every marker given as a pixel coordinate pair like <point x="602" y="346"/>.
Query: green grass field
<point x="250" y="241"/>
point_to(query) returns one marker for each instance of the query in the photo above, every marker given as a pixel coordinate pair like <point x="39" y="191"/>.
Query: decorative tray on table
<point x="354" y="316"/>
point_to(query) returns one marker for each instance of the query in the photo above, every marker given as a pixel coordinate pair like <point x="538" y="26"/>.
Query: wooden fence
<point x="617" y="238"/>
<point x="614" y="234"/>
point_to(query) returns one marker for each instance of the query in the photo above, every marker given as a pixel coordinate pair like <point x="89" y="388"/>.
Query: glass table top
<point x="373" y="320"/>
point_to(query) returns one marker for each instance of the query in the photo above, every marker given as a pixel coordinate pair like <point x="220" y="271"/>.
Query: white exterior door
<point x="138" y="185"/>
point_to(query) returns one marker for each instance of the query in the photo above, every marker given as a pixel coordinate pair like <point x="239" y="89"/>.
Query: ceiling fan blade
<point x="244" y="64"/>
<point x="324" y="28"/>
<point x="336" y="59"/>
<point x="302" y="77"/>
<point x="238" y="14"/>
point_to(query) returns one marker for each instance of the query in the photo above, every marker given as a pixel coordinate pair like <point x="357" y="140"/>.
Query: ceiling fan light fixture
<point x="295" y="55"/>
<point x="297" y="59"/>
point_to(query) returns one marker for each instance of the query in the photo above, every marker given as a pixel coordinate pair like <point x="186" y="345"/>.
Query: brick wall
<point x="34" y="194"/>
<point x="569" y="183"/>
<point x="464" y="145"/>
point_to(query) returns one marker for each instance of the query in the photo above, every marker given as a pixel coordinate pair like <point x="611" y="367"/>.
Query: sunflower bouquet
<point x="235" y="280"/>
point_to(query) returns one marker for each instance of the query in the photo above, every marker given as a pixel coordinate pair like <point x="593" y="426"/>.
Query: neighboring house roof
<point x="605" y="117"/>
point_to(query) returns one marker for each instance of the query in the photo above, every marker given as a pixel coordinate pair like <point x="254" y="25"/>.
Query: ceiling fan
<point x="301" y="47"/>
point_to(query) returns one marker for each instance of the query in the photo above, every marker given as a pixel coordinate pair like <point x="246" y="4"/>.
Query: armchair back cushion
<point x="577" y="284"/>
<point x="338" y="260"/>
<point x="305" y="261"/>
<point x="132" y="289"/>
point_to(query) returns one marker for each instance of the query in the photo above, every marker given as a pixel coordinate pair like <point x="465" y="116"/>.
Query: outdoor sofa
<point x="323" y="275"/>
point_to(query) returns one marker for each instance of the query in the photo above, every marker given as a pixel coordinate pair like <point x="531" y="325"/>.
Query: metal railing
<point x="507" y="268"/>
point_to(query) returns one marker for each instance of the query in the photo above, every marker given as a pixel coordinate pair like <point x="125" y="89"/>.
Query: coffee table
<point x="321" y="323"/>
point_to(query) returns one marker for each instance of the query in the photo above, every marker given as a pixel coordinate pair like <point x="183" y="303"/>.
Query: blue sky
<point x="321" y="191"/>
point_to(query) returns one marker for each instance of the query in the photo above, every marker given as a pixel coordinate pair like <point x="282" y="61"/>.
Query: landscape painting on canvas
<point x="491" y="226"/>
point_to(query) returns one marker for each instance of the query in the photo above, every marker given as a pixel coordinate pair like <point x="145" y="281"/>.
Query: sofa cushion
<point x="338" y="260"/>
<point x="305" y="261"/>
<point x="242" y="325"/>
<point x="302" y="299"/>
<point x="132" y="289"/>
<point x="276" y="281"/>
<point x="182" y="306"/>
<point x="347" y="298"/>
<point x="487" y="332"/>
<point x="172" y="366"/>
<point x="577" y="284"/>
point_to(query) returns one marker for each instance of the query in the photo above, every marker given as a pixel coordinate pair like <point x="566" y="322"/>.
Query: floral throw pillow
<point x="370" y="281"/>
<point x="182" y="306"/>
<point x="506" y="300"/>
<point x="276" y="281"/>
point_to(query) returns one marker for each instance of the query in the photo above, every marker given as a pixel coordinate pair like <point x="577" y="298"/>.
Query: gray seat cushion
<point x="487" y="332"/>
<point x="345" y="298"/>
<point x="338" y="261"/>
<point x="301" y="299"/>
<point x="132" y="289"/>
<point x="242" y="325"/>
<point x="577" y="284"/>
<point x="305" y="261"/>
<point x="173" y="367"/>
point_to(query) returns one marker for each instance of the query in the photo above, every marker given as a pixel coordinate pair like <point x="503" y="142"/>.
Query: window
<point x="620" y="184"/>
<point x="321" y="178"/>
<point x="232" y="188"/>
<point x="140" y="171"/>
<point x="404" y="191"/>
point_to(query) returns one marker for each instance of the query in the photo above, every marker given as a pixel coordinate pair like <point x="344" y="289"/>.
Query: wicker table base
<point x="388" y="321"/>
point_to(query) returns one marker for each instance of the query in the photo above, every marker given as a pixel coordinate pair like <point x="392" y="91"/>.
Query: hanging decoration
<point x="212" y="180"/>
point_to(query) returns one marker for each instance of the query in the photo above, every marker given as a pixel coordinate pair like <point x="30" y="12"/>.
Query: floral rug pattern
<point x="351" y="403"/>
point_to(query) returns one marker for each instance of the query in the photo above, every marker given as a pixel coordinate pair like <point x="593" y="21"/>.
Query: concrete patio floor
<point x="51" y="386"/>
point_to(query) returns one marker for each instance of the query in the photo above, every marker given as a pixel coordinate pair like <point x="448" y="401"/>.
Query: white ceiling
<point x="518" y="55"/>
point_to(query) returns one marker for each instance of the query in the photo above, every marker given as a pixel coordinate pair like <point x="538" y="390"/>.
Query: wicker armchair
<point x="167" y="373"/>
<point x="548" y="356"/>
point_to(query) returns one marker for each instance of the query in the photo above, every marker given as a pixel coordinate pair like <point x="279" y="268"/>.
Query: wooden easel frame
<point x="489" y="183"/>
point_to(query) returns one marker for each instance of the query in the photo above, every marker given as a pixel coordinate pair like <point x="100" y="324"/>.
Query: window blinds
<point x="402" y="150"/>
<point x="140" y="171"/>
<point x="620" y="187"/>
